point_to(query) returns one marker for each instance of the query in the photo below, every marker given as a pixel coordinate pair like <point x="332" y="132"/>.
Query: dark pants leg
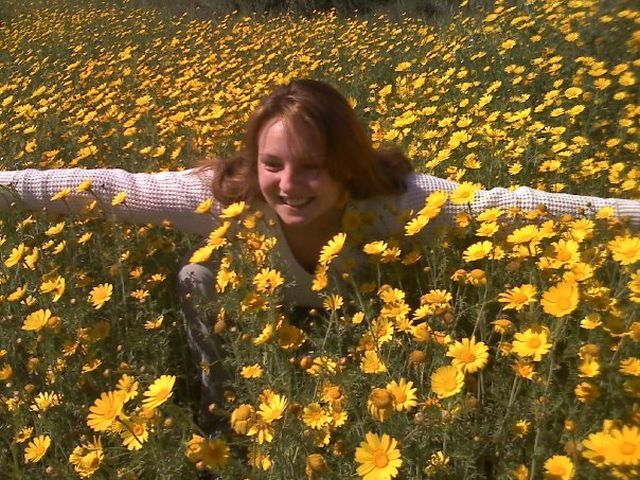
<point x="197" y="290"/>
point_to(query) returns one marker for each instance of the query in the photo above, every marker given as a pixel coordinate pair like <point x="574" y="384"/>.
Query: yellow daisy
<point x="37" y="448"/>
<point x="447" y="381"/>
<point x="559" y="467"/>
<point x="561" y="299"/>
<point x="158" y="392"/>
<point x="468" y="355"/>
<point x="100" y="295"/>
<point x="379" y="457"/>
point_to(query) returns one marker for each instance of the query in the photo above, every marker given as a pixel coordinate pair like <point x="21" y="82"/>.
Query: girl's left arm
<point x="525" y="198"/>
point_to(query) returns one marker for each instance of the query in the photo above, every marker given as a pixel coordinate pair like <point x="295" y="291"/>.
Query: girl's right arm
<point x="148" y="197"/>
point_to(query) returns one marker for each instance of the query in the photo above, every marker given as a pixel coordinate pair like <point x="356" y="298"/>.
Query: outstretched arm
<point x="523" y="197"/>
<point x="150" y="197"/>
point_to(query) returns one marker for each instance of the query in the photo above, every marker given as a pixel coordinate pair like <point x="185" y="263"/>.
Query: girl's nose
<point x="288" y="179"/>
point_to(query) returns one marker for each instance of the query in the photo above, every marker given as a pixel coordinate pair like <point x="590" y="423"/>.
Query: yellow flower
<point x="87" y="458"/>
<point x="272" y="407"/>
<point x="586" y="392"/>
<point x="15" y="256"/>
<point x="84" y="186"/>
<point x="134" y="434"/>
<point x="372" y="363"/>
<point x="23" y="434"/>
<point x="105" y="410"/>
<point x="375" y="248"/>
<point x="268" y="279"/>
<point x="464" y="193"/>
<point x="379" y="457"/>
<point x="37" y="449"/>
<point x="518" y="297"/>
<point x="468" y="355"/>
<point x="447" y="381"/>
<point x="290" y="337"/>
<point x="202" y="254"/>
<point x="403" y="393"/>
<point x="45" y="400"/>
<point x="332" y="249"/>
<point x="241" y="418"/>
<point x="129" y="386"/>
<point x="213" y="453"/>
<point x="158" y="392"/>
<point x="625" y="250"/>
<point x="233" y="210"/>
<point x="630" y="366"/>
<point x="314" y="416"/>
<point x="64" y="193"/>
<point x="561" y="299"/>
<point x="624" y="449"/>
<point x="204" y="206"/>
<point x="251" y="371"/>
<point x="100" y="295"/>
<point x="477" y="251"/>
<point x="36" y="321"/>
<point x="532" y="343"/>
<point x="380" y="404"/>
<point x="559" y="467"/>
<point x="119" y="198"/>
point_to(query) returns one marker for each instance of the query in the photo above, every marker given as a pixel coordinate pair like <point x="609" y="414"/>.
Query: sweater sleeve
<point x="419" y="186"/>
<point x="150" y="197"/>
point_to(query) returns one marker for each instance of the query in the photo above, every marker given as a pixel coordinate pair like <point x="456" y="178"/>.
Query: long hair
<point x="349" y="156"/>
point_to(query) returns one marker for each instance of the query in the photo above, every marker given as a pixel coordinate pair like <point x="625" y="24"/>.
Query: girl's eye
<point x="271" y="167"/>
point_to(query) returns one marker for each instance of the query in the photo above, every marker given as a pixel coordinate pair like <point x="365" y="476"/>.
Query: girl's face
<point x="294" y="180"/>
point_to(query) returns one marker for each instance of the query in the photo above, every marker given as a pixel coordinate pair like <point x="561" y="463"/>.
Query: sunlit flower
<point x="213" y="453"/>
<point x="251" y="371"/>
<point x="241" y="418"/>
<point x="314" y="416"/>
<point x="267" y="280"/>
<point x="332" y="249"/>
<point x="625" y="250"/>
<point x="464" y="193"/>
<point x="158" y="392"/>
<point x="468" y="355"/>
<point x="559" y="467"/>
<point x="100" y="295"/>
<point x="37" y="448"/>
<point x="87" y="458"/>
<point x="447" y="381"/>
<point x="379" y="457"/>
<point x="106" y="410"/>
<point x="38" y="320"/>
<point x="518" y="297"/>
<point x="403" y="393"/>
<point x="533" y="342"/>
<point x="561" y="299"/>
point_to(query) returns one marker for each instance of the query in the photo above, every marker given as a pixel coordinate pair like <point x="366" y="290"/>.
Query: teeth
<point x="295" y="202"/>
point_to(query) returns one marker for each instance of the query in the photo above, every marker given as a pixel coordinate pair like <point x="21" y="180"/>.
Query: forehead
<point x="284" y="137"/>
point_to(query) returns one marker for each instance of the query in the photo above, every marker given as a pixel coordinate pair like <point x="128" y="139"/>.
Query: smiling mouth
<point x="296" y="202"/>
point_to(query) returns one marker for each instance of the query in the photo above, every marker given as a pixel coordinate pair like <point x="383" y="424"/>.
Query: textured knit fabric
<point x="173" y="196"/>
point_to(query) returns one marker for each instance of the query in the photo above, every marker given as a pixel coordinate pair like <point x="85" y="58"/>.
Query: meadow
<point x="504" y="347"/>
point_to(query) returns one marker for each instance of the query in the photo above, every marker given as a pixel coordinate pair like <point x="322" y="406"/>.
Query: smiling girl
<point x="305" y="160"/>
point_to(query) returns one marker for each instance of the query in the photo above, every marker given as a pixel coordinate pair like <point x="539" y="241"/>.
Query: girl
<point x="305" y="159"/>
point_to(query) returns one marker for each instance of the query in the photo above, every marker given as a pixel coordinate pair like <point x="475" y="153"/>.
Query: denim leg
<point x="197" y="290"/>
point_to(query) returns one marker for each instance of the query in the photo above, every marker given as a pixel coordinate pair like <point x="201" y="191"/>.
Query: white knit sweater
<point x="173" y="196"/>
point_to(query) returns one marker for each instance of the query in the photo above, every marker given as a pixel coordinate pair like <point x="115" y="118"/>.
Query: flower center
<point x="467" y="357"/>
<point x="533" y="343"/>
<point x="627" y="448"/>
<point x="380" y="459"/>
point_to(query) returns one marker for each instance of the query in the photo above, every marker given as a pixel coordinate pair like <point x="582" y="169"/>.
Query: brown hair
<point x="349" y="155"/>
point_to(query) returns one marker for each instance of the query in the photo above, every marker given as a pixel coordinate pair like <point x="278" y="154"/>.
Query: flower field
<point x="505" y="346"/>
